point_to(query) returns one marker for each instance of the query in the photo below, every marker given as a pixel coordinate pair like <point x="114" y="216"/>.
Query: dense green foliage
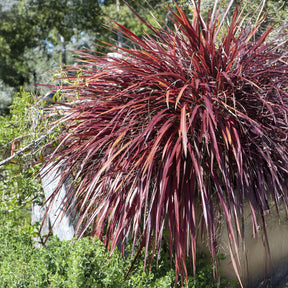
<point x="31" y="31"/>
<point x="85" y="263"/>
<point x="18" y="129"/>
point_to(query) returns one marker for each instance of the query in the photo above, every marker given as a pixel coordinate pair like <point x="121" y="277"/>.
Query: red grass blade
<point x="184" y="123"/>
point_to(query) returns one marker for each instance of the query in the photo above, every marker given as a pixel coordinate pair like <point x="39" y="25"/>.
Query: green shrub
<point x="17" y="184"/>
<point x="84" y="263"/>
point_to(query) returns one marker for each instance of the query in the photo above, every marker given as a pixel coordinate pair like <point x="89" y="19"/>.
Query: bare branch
<point x="33" y="143"/>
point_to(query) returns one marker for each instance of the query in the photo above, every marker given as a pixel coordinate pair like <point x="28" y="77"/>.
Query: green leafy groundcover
<point x="85" y="263"/>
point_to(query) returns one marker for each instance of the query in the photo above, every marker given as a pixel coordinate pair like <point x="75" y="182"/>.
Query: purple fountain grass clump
<point x="195" y="116"/>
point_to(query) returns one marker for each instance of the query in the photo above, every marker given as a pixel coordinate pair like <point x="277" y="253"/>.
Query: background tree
<point x="35" y="33"/>
<point x="147" y="9"/>
<point x="66" y="21"/>
<point x="16" y="36"/>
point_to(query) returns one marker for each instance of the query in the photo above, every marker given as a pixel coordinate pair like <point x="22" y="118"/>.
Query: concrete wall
<point x="256" y="266"/>
<point x="63" y="226"/>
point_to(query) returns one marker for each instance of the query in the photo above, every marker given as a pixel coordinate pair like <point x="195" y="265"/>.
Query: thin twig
<point x="33" y="143"/>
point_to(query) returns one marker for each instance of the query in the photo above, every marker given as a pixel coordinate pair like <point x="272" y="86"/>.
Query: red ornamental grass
<point x="191" y="120"/>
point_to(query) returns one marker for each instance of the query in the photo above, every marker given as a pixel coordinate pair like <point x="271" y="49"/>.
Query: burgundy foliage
<point x="188" y="123"/>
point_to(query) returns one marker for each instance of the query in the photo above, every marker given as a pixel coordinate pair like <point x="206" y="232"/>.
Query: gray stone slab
<point x="61" y="222"/>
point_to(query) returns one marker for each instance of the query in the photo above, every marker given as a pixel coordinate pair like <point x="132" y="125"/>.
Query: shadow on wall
<point x="256" y="269"/>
